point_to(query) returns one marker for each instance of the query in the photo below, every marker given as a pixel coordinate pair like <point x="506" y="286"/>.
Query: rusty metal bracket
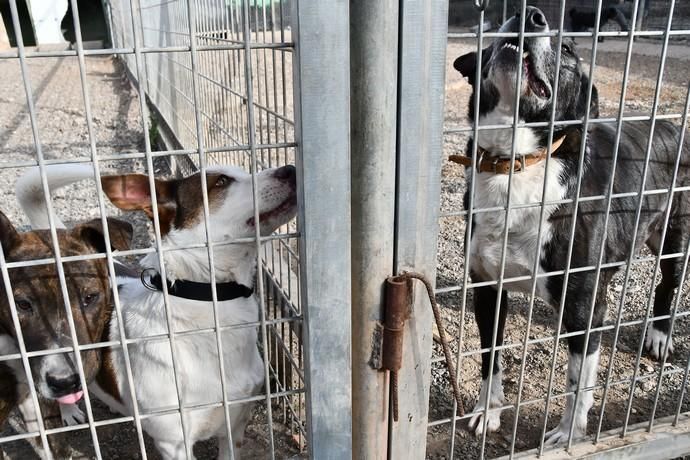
<point x="399" y="300"/>
<point x="399" y="295"/>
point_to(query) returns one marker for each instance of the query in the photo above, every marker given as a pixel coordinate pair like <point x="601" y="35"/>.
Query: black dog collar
<point x="197" y="291"/>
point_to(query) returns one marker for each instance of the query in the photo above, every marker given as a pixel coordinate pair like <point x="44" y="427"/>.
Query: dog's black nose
<point x="535" y="21"/>
<point x="63" y="385"/>
<point x="536" y="18"/>
<point x="286" y="173"/>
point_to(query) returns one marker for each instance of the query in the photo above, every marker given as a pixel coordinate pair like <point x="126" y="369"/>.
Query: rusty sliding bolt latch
<point x="398" y="303"/>
<point x="399" y="298"/>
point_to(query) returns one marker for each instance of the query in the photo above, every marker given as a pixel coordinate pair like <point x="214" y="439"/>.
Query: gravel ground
<point x="63" y="132"/>
<point x="608" y="77"/>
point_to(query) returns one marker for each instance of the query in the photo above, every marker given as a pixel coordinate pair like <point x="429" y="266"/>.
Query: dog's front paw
<point x="493" y="416"/>
<point x="71" y="414"/>
<point x="560" y="434"/>
<point x="656" y="341"/>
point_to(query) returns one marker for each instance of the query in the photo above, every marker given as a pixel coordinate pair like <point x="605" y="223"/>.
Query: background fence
<point x="214" y="82"/>
<point x="219" y="78"/>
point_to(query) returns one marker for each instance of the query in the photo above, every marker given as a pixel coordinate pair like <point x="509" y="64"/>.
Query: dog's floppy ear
<point x="119" y="231"/>
<point x="132" y="192"/>
<point x="467" y="66"/>
<point x="9" y="237"/>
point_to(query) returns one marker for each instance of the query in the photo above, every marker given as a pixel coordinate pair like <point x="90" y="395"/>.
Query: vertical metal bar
<point x="619" y="318"/>
<point x="683" y="389"/>
<point x="106" y="232"/>
<point x="191" y="18"/>
<point x="576" y="204"/>
<point x="542" y="220"/>
<point x="506" y="227"/>
<point x="320" y="30"/>
<point x="156" y="222"/>
<point x="468" y="222"/>
<point x="652" y="124"/>
<point x="421" y="90"/>
<point x="602" y="248"/>
<point x="255" y="194"/>
<point x="679" y="294"/>
<point x="22" y="350"/>
<point x="641" y="17"/>
<point x="5" y="274"/>
<point x="53" y="236"/>
<point x="373" y="92"/>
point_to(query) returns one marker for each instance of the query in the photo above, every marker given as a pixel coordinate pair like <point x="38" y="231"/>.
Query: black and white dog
<point x="497" y="89"/>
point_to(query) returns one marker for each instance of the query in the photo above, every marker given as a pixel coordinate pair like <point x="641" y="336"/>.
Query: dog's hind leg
<point x="575" y="319"/>
<point x="485" y="315"/>
<point x="671" y="269"/>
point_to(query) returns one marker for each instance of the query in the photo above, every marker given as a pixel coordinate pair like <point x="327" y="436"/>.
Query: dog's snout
<point x="286" y="173"/>
<point x="63" y="385"/>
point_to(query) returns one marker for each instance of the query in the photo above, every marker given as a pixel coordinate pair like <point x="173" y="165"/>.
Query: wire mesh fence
<point x="214" y="85"/>
<point x="223" y="84"/>
<point x="634" y="84"/>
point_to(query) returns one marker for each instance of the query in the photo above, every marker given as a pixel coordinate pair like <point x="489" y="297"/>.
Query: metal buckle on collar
<point x="146" y="282"/>
<point x="479" y="161"/>
<point x="495" y="164"/>
<point x="523" y="162"/>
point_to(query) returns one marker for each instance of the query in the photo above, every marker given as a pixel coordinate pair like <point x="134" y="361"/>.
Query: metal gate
<point x="640" y="407"/>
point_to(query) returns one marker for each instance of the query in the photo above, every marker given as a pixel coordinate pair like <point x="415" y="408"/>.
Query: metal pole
<point x="373" y="87"/>
<point x="322" y="130"/>
<point x="423" y="31"/>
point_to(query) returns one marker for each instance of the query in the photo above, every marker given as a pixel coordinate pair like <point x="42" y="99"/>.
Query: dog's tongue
<point x="71" y="398"/>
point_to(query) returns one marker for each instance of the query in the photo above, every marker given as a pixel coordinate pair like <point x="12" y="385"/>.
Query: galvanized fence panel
<point x="423" y="27"/>
<point x="534" y="391"/>
<point x="218" y="83"/>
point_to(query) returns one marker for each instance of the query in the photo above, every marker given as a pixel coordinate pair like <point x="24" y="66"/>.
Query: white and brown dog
<point x="182" y="223"/>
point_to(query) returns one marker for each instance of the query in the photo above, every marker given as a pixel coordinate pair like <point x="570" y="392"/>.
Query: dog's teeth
<point x="525" y="54"/>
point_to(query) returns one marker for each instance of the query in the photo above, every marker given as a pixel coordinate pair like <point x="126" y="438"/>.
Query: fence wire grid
<point x="632" y="394"/>
<point x="214" y="85"/>
<point x="218" y="82"/>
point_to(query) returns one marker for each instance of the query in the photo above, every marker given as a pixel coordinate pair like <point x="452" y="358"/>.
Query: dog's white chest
<point x="198" y="371"/>
<point x="491" y="190"/>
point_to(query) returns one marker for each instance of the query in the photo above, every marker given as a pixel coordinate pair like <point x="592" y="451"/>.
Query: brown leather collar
<point x="498" y="165"/>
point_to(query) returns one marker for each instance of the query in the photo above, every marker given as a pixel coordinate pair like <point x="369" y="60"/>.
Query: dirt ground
<point x="608" y="77"/>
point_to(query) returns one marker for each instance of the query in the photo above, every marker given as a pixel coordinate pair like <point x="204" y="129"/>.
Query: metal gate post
<point x="424" y="25"/>
<point x="321" y="75"/>
<point x="373" y="73"/>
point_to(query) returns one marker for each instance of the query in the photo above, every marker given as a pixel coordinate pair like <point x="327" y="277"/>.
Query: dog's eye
<point x="224" y="181"/>
<point x="566" y="47"/>
<point x="23" y="305"/>
<point x="90" y="299"/>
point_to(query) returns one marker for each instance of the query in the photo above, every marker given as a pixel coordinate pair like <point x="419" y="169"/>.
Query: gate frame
<point x="421" y="89"/>
<point x="321" y="36"/>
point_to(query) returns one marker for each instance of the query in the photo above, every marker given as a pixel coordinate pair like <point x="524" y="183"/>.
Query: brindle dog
<point x="43" y="319"/>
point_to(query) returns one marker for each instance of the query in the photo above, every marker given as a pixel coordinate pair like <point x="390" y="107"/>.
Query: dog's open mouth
<point x="530" y="75"/>
<point x="283" y="208"/>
